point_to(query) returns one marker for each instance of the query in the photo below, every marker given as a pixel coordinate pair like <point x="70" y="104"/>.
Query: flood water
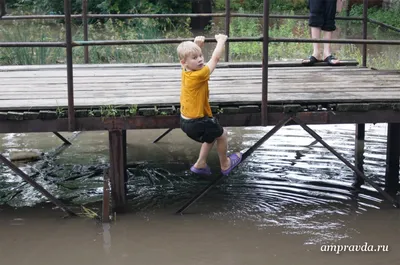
<point x="281" y="206"/>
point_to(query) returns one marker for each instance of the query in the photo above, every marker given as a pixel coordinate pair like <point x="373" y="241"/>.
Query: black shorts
<point x="202" y="130"/>
<point x="322" y="14"/>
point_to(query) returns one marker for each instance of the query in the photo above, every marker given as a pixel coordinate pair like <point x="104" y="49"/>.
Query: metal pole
<point x="62" y="138"/>
<point x="365" y="32"/>
<point x="227" y="27"/>
<point x="162" y="135"/>
<point x="264" y="99"/>
<point x="70" y="78"/>
<point x="85" y="28"/>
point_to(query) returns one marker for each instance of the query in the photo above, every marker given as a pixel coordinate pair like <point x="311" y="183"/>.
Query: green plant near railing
<point x="277" y="51"/>
<point x="258" y="5"/>
<point x="389" y="16"/>
<point x="26" y="32"/>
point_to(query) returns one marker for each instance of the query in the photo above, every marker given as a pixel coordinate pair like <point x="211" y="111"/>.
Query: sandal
<point x="235" y="160"/>
<point x="329" y="60"/>
<point x="201" y="171"/>
<point x="311" y="61"/>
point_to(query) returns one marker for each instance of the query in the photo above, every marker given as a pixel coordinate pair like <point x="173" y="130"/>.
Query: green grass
<point x="23" y="31"/>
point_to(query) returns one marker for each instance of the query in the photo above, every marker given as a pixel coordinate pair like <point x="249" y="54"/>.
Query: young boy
<point x="197" y="120"/>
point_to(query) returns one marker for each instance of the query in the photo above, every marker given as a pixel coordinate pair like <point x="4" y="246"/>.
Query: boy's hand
<point x="221" y="38"/>
<point x="199" y="40"/>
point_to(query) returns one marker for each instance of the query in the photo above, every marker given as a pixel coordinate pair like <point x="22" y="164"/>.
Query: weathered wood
<point x="47" y="115"/>
<point x="165" y="111"/>
<point x="15" y="116"/>
<point x="292" y="108"/>
<point x="106" y="197"/>
<point x="117" y="173"/>
<point x="44" y="87"/>
<point x="249" y="109"/>
<point x="230" y="110"/>
<point x="147" y="111"/>
<point x="3" y="116"/>
<point x="392" y="158"/>
<point x="29" y="115"/>
<point x="81" y="113"/>
<point x="352" y="107"/>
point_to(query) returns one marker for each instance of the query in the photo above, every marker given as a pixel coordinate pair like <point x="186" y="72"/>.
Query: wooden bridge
<point x="34" y="98"/>
<point x="116" y="98"/>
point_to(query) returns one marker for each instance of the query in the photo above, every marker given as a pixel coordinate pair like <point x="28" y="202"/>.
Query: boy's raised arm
<point x="221" y="39"/>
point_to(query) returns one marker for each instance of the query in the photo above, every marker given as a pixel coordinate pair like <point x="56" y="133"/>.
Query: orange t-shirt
<point x="195" y="93"/>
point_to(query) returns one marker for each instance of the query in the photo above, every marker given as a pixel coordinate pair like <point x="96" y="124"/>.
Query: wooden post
<point x="392" y="158"/>
<point x="105" y="217"/>
<point x="3" y="10"/>
<point x="359" y="153"/>
<point x="117" y="173"/>
<point x="201" y="6"/>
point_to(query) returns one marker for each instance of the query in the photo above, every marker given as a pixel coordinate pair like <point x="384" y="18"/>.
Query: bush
<point x="257" y="5"/>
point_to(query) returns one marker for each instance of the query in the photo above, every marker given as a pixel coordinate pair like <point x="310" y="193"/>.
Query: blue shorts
<point x="322" y="14"/>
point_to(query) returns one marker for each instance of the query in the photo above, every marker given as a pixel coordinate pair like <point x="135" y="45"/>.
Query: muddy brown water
<point x="285" y="204"/>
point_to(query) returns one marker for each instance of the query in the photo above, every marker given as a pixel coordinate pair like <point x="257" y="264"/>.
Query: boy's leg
<point x="204" y="151"/>
<point x="227" y="163"/>
<point x="222" y="149"/>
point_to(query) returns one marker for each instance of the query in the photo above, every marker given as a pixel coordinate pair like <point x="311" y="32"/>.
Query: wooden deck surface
<point x="45" y="87"/>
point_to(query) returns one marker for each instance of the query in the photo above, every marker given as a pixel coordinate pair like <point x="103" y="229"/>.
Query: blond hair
<point x="187" y="48"/>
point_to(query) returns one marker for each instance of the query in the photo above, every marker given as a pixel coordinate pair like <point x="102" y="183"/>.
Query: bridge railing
<point x="264" y="38"/>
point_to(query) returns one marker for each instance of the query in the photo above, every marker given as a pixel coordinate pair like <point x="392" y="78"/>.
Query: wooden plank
<point x="95" y="85"/>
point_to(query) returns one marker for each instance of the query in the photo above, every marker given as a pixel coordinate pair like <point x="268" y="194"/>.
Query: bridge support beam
<point x="359" y="154"/>
<point x="117" y="172"/>
<point x="392" y="158"/>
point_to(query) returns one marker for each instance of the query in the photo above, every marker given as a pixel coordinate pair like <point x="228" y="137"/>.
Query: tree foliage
<point x="106" y="6"/>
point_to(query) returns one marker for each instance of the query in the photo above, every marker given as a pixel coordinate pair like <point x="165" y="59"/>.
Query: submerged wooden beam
<point x="106" y="197"/>
<point x="359" y="154"/>
<point x="392" y="158"/>
<point x="117" y="172"/>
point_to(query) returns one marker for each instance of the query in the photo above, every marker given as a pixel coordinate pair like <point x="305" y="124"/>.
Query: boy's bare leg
<point x="204" y="151"/>
<point x="222" y="149"/>
<point x="327" y="46"/>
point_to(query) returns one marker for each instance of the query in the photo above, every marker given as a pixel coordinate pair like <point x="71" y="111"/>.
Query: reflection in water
<point x="291" y="193"/>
